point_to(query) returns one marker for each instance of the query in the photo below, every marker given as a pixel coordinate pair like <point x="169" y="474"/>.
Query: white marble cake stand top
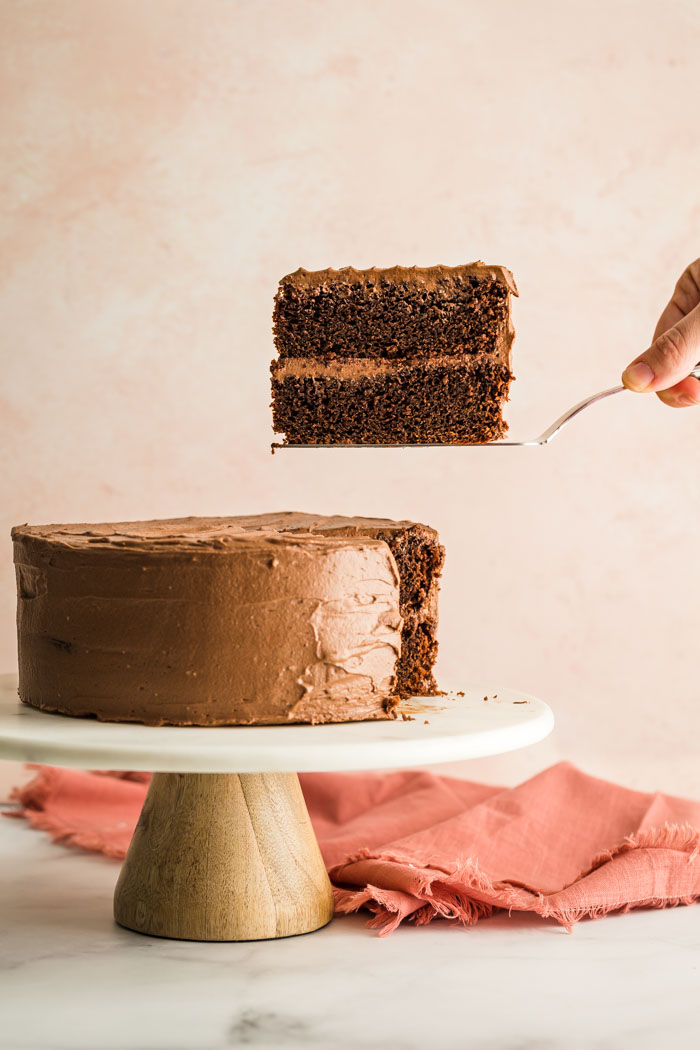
<point x="443" y="729"/>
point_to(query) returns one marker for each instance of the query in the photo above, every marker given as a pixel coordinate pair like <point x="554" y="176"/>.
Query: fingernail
<point x="638" y="377"/>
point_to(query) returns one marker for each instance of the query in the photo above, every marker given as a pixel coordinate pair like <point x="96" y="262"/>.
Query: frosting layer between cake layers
<point x="206" y="622"/>
<point x="370" y="367"/>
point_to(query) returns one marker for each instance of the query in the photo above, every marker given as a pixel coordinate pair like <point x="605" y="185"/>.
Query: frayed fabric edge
<point x="681" y="837"/>
<point x="58" y="832"/>
<point x="34" y="794"/>
<point x="467" y="894"/>
<point x="32" y="798"/>
<point x="568" y="917"/>
<point x="461" y="896"/>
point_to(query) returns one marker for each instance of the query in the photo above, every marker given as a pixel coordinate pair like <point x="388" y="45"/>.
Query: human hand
<point x="663" y="368"/>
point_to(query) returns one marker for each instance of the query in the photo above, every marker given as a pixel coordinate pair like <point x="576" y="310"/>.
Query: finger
<point x="682" y="395"/>
<point x="671" y="315"/>
<point x="672" y="355"/>
<point x="685" y="298"/>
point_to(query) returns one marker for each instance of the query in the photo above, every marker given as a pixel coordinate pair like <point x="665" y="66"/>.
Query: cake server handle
<point x="560" y="423"/>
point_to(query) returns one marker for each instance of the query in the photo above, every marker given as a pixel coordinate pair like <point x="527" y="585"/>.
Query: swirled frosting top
<point x="195" y="533"/>
<point x="425" y="276"/>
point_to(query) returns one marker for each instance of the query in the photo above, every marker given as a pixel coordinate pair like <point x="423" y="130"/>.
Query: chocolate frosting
<point x="208" y="621"/>
<point x="344" y="368"/>
<point x="425" y="276"/>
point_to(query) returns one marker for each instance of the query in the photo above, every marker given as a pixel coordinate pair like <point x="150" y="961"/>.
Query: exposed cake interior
<point x="419" y="559"/>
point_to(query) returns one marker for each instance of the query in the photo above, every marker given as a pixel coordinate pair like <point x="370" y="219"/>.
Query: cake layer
<point x="206" y="622"/>
<point x="445" y="401"/>
<point x="393" y="313"/>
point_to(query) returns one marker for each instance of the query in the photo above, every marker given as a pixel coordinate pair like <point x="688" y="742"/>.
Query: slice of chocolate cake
<point x="407" y="355"/>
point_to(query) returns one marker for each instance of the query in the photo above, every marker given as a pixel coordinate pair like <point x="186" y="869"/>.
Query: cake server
<point x="544" y="439"/>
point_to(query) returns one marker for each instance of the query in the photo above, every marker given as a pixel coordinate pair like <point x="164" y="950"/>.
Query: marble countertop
<point x="71" y="978"/>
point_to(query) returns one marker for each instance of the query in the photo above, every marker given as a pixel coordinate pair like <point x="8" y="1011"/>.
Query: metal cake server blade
<point x="544" y="439"/>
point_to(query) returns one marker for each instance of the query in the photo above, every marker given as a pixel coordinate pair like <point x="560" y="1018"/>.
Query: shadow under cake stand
<point x="225" y="852"/>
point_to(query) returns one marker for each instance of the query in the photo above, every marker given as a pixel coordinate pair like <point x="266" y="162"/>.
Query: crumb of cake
<point x="460" y="693"/>
<point x="390" y="705"/>
<point x="486" y="698"/>
<point x="520" y="701"/>
<point x="407" y="718"/>
<point x="426" y="722"/>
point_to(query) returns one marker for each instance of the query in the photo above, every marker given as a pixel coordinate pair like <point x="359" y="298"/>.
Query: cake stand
<point x="224" y="849"/>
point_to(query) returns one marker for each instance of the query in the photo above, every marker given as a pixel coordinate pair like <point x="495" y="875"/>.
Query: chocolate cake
<point x="272" y="618"/>
<point x="407" y="355"/>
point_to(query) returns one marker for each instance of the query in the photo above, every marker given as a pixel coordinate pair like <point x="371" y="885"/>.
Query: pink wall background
<point x="163" y="164"/>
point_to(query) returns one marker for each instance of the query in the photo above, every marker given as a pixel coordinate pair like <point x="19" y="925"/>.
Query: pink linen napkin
<point x="412" y="845"/>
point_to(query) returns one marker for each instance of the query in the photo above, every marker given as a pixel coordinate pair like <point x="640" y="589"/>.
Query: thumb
<point x="670" y="358"/>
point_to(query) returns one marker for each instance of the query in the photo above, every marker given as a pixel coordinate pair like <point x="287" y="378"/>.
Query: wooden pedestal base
<point x="223" y="857"/>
